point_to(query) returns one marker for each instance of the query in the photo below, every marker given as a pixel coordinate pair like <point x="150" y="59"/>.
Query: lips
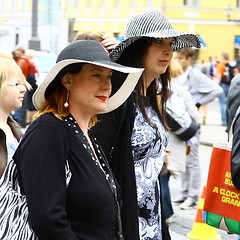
<point x="103" y="98"/>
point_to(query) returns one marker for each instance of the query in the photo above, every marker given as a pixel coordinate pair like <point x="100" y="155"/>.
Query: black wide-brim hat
<point x="153" y="24"/>
<point x="90" y="52"/>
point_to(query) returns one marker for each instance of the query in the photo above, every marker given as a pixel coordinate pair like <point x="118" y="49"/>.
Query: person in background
<point x="203" y="91"/>
<point x="176" y="148"/>
<point x="134" y="136"/>
<point x="31" y="54"/>
<point x="74" y="91"/>
<point x="25" y="114"/>
<point x="237" y="67"/>
<point x="31" y="110"/>
<point x="13" y="86"/>
<point x="108" y="41"/>
<point x="224" y="77"/>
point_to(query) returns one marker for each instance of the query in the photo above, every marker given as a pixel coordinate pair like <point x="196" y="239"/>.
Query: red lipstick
<point x="103" y="98"/>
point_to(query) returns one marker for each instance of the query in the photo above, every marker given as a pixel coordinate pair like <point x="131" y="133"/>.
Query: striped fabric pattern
<point x="13" y="206"/>
<point x="153" y="24"/>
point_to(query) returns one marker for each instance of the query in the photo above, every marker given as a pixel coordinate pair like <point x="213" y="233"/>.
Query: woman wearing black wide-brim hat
<point x="134" y="136"/>
<point x="58" y="146"/>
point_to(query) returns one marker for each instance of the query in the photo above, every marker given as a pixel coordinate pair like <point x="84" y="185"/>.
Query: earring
<point x="66" y="103"/>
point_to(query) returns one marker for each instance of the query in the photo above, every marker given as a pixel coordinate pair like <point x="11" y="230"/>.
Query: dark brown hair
<point x="88" y="36"/>
<point x="134" y="56"/>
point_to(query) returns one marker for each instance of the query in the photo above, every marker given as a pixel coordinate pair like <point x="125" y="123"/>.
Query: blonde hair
<point x="8" y="69"/>
<point x="175" y="69"/>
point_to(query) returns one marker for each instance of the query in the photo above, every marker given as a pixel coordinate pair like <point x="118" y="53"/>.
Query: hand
<point x="109" y="42"/>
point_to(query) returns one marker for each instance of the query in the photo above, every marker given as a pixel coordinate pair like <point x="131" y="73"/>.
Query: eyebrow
<point x="100" y="69"/>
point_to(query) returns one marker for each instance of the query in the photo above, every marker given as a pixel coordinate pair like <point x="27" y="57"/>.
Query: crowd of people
<point x="103" y="111"/>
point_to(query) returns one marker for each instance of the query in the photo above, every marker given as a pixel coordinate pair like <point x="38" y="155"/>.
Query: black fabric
<point x="86" y="209"/>
<point x="233" y="100"/>
<point x="235" y="155"/>
<point x="229" y="74"/>
<point x="123" y="165"/>
<point x="175" y="126"/>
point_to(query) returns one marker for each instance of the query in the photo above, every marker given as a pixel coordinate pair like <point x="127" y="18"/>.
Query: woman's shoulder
<point x="47" y="120"/>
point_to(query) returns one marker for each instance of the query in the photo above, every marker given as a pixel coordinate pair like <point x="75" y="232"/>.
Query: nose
<point x="23" y="88"/>
<point x="107" y="84"/>
<point x="168" y="50"/>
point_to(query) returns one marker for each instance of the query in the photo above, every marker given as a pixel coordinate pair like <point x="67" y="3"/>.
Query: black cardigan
<point x="86" y="209"/>
<point x="123" y="167"/>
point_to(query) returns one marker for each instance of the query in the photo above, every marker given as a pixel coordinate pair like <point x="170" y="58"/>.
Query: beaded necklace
<point x="100" y="160"/>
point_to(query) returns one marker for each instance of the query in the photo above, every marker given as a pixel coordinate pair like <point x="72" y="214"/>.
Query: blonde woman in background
<point x="13" y="86"/>
<point x="176" y="157"/>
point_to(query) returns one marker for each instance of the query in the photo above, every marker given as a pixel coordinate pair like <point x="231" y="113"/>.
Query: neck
<point x="3" y="117"/>
<point x="186" y="68"/>
<point x="147" y="81"/>
<point x="82" y="122"/>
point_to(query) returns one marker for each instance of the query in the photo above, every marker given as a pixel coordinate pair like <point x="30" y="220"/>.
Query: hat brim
<point x="133" y="75"/>
<point x="183" y="40"/>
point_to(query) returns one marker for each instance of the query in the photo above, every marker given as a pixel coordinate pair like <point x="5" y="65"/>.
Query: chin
<point x="101" y="109"/>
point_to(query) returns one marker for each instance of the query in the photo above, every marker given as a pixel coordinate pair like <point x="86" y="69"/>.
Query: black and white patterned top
<point x="148" y="143"/>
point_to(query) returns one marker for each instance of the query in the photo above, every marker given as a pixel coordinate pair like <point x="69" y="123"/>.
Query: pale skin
<point x="89" y="91"/>
<point x="109" y="42"/>
<point x="157" y="60"/>
<point x="183" y="60"/>
<point x="11" y="98"/>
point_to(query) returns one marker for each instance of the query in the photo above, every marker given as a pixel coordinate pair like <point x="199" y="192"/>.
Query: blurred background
<point x="48" y="25"/>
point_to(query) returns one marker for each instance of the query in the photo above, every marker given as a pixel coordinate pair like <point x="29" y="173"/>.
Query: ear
<point x="66" y="81"/>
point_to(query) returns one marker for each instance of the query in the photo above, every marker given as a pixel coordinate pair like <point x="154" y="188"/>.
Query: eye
<point x="159" y="41"/>
<point x="109" y="78"/>
<point x="97" y="75"/>
<point x="172" y="43"/>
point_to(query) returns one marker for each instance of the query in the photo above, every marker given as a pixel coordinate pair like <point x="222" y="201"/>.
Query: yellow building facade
<point x="217" y="22"/>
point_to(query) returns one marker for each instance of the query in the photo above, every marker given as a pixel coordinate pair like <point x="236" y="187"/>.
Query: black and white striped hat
<point x="153" y="24"/>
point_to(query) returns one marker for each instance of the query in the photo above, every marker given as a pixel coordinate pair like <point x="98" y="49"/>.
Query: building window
<point x="191" y="3"/>
<point x="117" y="3"/>
<point x="133" y="3"/>
<point x="238" y="3"/>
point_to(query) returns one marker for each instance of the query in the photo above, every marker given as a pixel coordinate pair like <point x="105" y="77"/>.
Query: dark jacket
<point x="3" y="146"/>
<point x="122" y="164"/>
<point x="233" y="100"/>
<point x="235" y="155"/>
<point x="87" y="208"/>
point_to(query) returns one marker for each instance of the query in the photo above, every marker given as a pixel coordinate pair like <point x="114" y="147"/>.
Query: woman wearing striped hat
<point x="134" y="136"/>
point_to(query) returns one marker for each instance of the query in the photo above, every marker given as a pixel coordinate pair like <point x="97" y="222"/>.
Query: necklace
<point x="98" y="156"/>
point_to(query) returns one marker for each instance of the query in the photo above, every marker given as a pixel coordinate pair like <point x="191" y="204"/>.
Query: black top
<point x="122" y="163"/>
<point x="235" y="154"/>
<point x="86" y="209"/>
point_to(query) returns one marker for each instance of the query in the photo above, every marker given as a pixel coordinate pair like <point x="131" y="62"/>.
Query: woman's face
<point x="12" y="94"/>
<point x="90" y="89"/>
<point x="158" y="57"/>
<point x="183" y="60"/>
